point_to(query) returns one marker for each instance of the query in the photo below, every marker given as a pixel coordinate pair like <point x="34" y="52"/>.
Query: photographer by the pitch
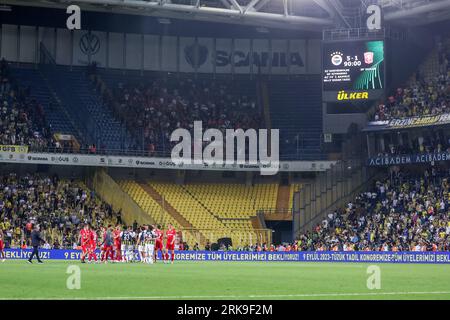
<point x="35" y="242"/>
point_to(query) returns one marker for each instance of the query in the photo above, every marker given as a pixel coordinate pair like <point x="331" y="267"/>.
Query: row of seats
<point x="235" y="200"/>
<point x="214" y="210"/>
<point x="199" y="216"/>
<point x="39" y="91"/>
<point x="154" y="209"/>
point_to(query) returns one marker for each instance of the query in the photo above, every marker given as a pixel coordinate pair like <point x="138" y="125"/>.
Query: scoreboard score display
<point x="353" y="71"/>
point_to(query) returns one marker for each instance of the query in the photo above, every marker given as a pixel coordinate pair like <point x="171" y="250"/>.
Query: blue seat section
<point x="113" y="78"/>
<point x="296" y="109"/>
<point x="58" y="120"/>
<point x="86" y="107"/>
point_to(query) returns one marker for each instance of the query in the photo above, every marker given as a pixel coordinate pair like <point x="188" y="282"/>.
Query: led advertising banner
<point x="353" y="71"/>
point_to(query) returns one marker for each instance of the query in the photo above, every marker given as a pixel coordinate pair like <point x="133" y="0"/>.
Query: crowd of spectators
<point x="22" y="120"/>
<point x="153" y="110"/>
<point x="426" y="95"/>
<point x="405" y="212"/>
<point x="59" y="207"/>
<point x="434" y="141"/>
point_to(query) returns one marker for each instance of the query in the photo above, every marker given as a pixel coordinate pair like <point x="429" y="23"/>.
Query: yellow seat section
<point x="235" y="201"/>
<point x="153" y="208"/>
<point x="192" y="210"/>
<point x="235" y="205"/>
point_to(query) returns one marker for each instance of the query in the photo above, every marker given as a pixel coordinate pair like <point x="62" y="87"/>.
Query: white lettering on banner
<point x="156" y="163"/>
<point x="204" y="55"/>
<point x="260" y="59"/>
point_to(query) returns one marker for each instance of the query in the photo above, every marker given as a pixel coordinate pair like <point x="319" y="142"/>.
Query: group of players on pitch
<point x="119" y="245"/>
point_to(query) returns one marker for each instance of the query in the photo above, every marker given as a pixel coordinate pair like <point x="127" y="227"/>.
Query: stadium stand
<point x="58" y="206"/>
<point x="152" y="107"/>
<point x="234" y="201"/>
<point x="22" y="121"/>
<point x="93" y="118"/>
<point x="204" y="212"/>
<point x="57" y="119"/>
<point x="426" y="94"/>
<point x="407" y="211"/>
<point x="295" y="108"/>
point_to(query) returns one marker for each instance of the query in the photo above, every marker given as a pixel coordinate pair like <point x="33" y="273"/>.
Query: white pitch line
<point x="305" y="295"/>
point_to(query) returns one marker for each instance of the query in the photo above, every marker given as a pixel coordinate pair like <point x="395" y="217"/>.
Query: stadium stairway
<point x="296" y="109"/>
<point x="83" y="104"/>
<point x="56" y="115"/>
<point x="167" y="206"/>
<point x="151" y="204"/>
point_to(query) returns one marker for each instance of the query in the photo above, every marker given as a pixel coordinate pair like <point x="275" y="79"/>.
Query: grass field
<point x="223" y="280"/>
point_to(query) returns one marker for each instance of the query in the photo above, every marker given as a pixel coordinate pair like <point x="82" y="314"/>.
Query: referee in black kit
<point x="35" y="242"/>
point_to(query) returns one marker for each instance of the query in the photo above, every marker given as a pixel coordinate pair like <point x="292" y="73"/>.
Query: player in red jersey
<point x="117" y="244"/>
<point x="159" y="246"/>
<point x="93" y="246"/>
<point x="170" y="244"/>
<point x="2" y="246"/>
<point x="85" y="239"/>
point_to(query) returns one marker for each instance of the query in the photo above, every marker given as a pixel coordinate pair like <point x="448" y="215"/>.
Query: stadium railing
<point x="158" y="154"/>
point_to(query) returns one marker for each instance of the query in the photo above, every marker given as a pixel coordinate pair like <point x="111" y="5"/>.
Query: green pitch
<point x="222" y="280"/>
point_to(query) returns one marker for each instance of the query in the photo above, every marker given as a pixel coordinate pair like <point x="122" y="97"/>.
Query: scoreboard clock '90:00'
<point x="353" y="70"/>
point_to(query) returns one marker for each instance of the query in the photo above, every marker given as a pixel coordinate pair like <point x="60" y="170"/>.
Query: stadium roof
<point x="282" y="14"/>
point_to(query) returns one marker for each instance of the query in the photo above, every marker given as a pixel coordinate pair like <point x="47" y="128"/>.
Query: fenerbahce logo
<point x="342" y="95"/>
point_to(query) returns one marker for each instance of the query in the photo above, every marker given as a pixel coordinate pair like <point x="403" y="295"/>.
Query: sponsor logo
<point x="167" y="164"/>
<point x="14" y="148"/>
<point x="260" y="59"/>
<point x="336" y="58"/>
<point x="342" y="95"/>
<point x="368" y="57"/>
<point x="59" y="159"/>
<point x="89" y="43"/>
<point x="145" y="163"/>
<point x="195" y="55"/>
<point x="31" y="158"/>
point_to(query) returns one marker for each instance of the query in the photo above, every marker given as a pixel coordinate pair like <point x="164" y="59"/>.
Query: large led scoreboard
<point x="353" y="71"/>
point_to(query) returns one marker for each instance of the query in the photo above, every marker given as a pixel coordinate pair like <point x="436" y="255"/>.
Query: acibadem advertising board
<point x="353" y="71"/>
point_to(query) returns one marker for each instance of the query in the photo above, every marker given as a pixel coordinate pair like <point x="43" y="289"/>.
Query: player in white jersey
<point x="150" y="238"/>
<point x="123" y="243"/>
<point x="140" y="244"/>
<point x="130" y="248"/>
